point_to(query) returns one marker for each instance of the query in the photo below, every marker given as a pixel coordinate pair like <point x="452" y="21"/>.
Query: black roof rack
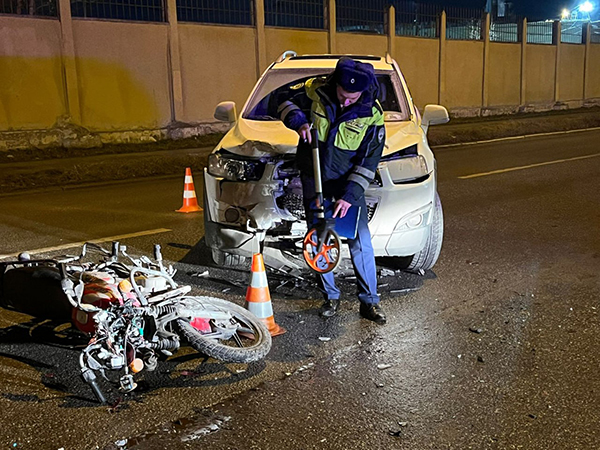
<point x="366" y="57"/>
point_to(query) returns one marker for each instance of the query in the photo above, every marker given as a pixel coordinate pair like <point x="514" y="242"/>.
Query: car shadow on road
<point x="198" y="254"/>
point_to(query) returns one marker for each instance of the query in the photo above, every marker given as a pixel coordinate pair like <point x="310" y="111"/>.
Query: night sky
<point x="532" y="9"/>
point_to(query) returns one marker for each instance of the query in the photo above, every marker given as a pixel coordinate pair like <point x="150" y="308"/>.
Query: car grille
<point x="371" y="208"/>
<point x="377" y="180"/>
<point x="292" y="203"/>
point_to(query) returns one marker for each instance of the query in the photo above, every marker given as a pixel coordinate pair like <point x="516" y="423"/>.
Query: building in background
<point x="499" y="8"/>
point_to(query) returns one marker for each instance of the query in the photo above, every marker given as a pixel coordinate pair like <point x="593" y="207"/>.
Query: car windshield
<point x="262" y="104"/>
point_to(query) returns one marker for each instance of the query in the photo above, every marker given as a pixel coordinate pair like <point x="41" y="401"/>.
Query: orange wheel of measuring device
<point x="330" y="255"/>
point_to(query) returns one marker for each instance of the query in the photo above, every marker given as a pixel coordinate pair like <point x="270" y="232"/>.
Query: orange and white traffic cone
<point x="190" y="202"/>
<point x="258" y="298"/>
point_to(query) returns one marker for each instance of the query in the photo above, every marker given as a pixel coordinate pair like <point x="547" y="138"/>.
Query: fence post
<point x="556" y="40"/>
<point x="522" y="96"/>
<point x="261" y="46"/>
<point x="174" y="62"/>
<point x="68" y="61"/>
<point x="442" y="60"/>
<point x="586" y="58"/>
<point x="332" y="25"/>
<point x="391" y="31"/>
<point x="486" y="60"/>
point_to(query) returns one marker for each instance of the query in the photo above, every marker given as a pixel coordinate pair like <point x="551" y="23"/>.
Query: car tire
<point x="426" y="258"/>
<point x="224" y="259"/>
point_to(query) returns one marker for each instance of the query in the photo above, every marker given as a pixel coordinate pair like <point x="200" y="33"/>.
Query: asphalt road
<point x="497" y="349"/>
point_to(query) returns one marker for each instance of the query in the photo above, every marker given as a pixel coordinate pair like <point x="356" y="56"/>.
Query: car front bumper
<point x="401" y="222"/>
<point x="238" y="215"/>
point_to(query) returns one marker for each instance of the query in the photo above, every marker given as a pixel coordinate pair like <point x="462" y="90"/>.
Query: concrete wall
<point x="464" y="76"/>
<point x="419" y="61"/>
<point x="592" y="81"/>
<point x="218" y="63"/>
<point x="114" y="76"/>
<point x="122" y="73"/>
<point x="278" y="40"/>
<point x="539" y="70"/>
<point x="361" y="44"/>
<point x="505" y="74"/>
<point x="32" y="92"/>
<point x="570" y="73"/>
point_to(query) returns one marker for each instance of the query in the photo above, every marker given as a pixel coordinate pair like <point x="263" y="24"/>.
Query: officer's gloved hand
<point x="304" y="133"/>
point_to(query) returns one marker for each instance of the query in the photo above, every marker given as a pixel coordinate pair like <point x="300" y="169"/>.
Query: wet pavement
<point x="495" y="349"/>
<point x="498" y="352"/>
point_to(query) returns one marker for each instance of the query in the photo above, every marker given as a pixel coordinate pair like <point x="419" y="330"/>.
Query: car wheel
<point x="225" y="259"/>
<point x="426" y="258"/>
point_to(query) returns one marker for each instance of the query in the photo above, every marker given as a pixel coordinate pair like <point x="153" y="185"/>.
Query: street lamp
<point x="565" y="14"/>
<point x="586" y="7"/>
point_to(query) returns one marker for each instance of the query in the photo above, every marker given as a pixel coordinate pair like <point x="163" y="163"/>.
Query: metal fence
<point x="295" y="13"/>
<point x="539" y="32"/>
<point x="412" y="18"/>
<point x="229" y="12"/>
<point x="595" y="32"/>
<point x="132" y="10"/>
<point x="361" y="16"/>
<point x="46" y="8"/>
<point x="572" y="31"/>
<point x="418" y="19"/>
<point x="503" y="29"/>
<point x="464" y="23"/>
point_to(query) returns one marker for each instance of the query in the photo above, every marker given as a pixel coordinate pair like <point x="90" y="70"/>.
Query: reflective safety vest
<point x="349" y="133"/>
<point x="350" y="140"/>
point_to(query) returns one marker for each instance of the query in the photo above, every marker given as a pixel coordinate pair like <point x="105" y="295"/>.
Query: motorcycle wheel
<point x="250" y="343"/>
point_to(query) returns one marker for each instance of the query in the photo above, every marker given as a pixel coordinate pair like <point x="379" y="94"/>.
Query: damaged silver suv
<point x="252" y="190"/>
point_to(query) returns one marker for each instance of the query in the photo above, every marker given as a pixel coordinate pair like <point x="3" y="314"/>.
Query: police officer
<point x="344" y="109"/>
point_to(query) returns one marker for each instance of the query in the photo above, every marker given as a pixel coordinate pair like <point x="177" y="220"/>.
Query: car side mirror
<point x="225" y="112"/>
<point x="434" y="115"/>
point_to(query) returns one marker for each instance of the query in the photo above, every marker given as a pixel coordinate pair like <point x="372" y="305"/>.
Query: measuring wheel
<point x="323" y="257"/>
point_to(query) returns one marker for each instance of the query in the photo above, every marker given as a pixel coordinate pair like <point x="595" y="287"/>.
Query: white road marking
<point x="95" y="241"/>
<point x="512" y="138"/>
<point x="512" y="169"/>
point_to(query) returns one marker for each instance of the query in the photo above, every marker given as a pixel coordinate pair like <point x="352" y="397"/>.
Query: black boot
<point x="329" y="308"/>
<point x="372" y="312"/>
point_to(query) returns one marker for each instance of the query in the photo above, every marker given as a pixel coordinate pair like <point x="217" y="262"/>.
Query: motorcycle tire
<point x="218" y="349"/>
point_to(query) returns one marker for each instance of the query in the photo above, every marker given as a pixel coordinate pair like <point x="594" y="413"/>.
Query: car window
<point x="263" y="103"/>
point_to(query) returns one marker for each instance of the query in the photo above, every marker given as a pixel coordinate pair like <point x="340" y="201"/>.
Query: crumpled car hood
<point x="400" y="135"/>
<point x="266" y="138"/>
<point x="260" y="138"/>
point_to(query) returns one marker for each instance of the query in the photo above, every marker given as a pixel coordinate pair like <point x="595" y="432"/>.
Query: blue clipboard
<point x="346" y="226"/>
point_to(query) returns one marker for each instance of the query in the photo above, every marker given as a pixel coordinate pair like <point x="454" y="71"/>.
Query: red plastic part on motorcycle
<point x="201" y="324"/>
<point x="97" y="294"/>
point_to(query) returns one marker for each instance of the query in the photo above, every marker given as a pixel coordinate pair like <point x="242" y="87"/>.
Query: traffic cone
<point x="258" y="298"/>
<point x="190" y="203"/>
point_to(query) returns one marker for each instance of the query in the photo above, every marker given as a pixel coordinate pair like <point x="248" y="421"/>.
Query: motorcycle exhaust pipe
<point x="90" y="378"/>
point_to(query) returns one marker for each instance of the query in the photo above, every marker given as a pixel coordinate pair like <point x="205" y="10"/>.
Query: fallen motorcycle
<point x="135" y="312"/>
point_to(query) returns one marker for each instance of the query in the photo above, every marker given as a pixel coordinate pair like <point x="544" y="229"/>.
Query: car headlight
<point x="405" y="165"/>
<point x="234" y="168"/>
<point x="415" y="219"/>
